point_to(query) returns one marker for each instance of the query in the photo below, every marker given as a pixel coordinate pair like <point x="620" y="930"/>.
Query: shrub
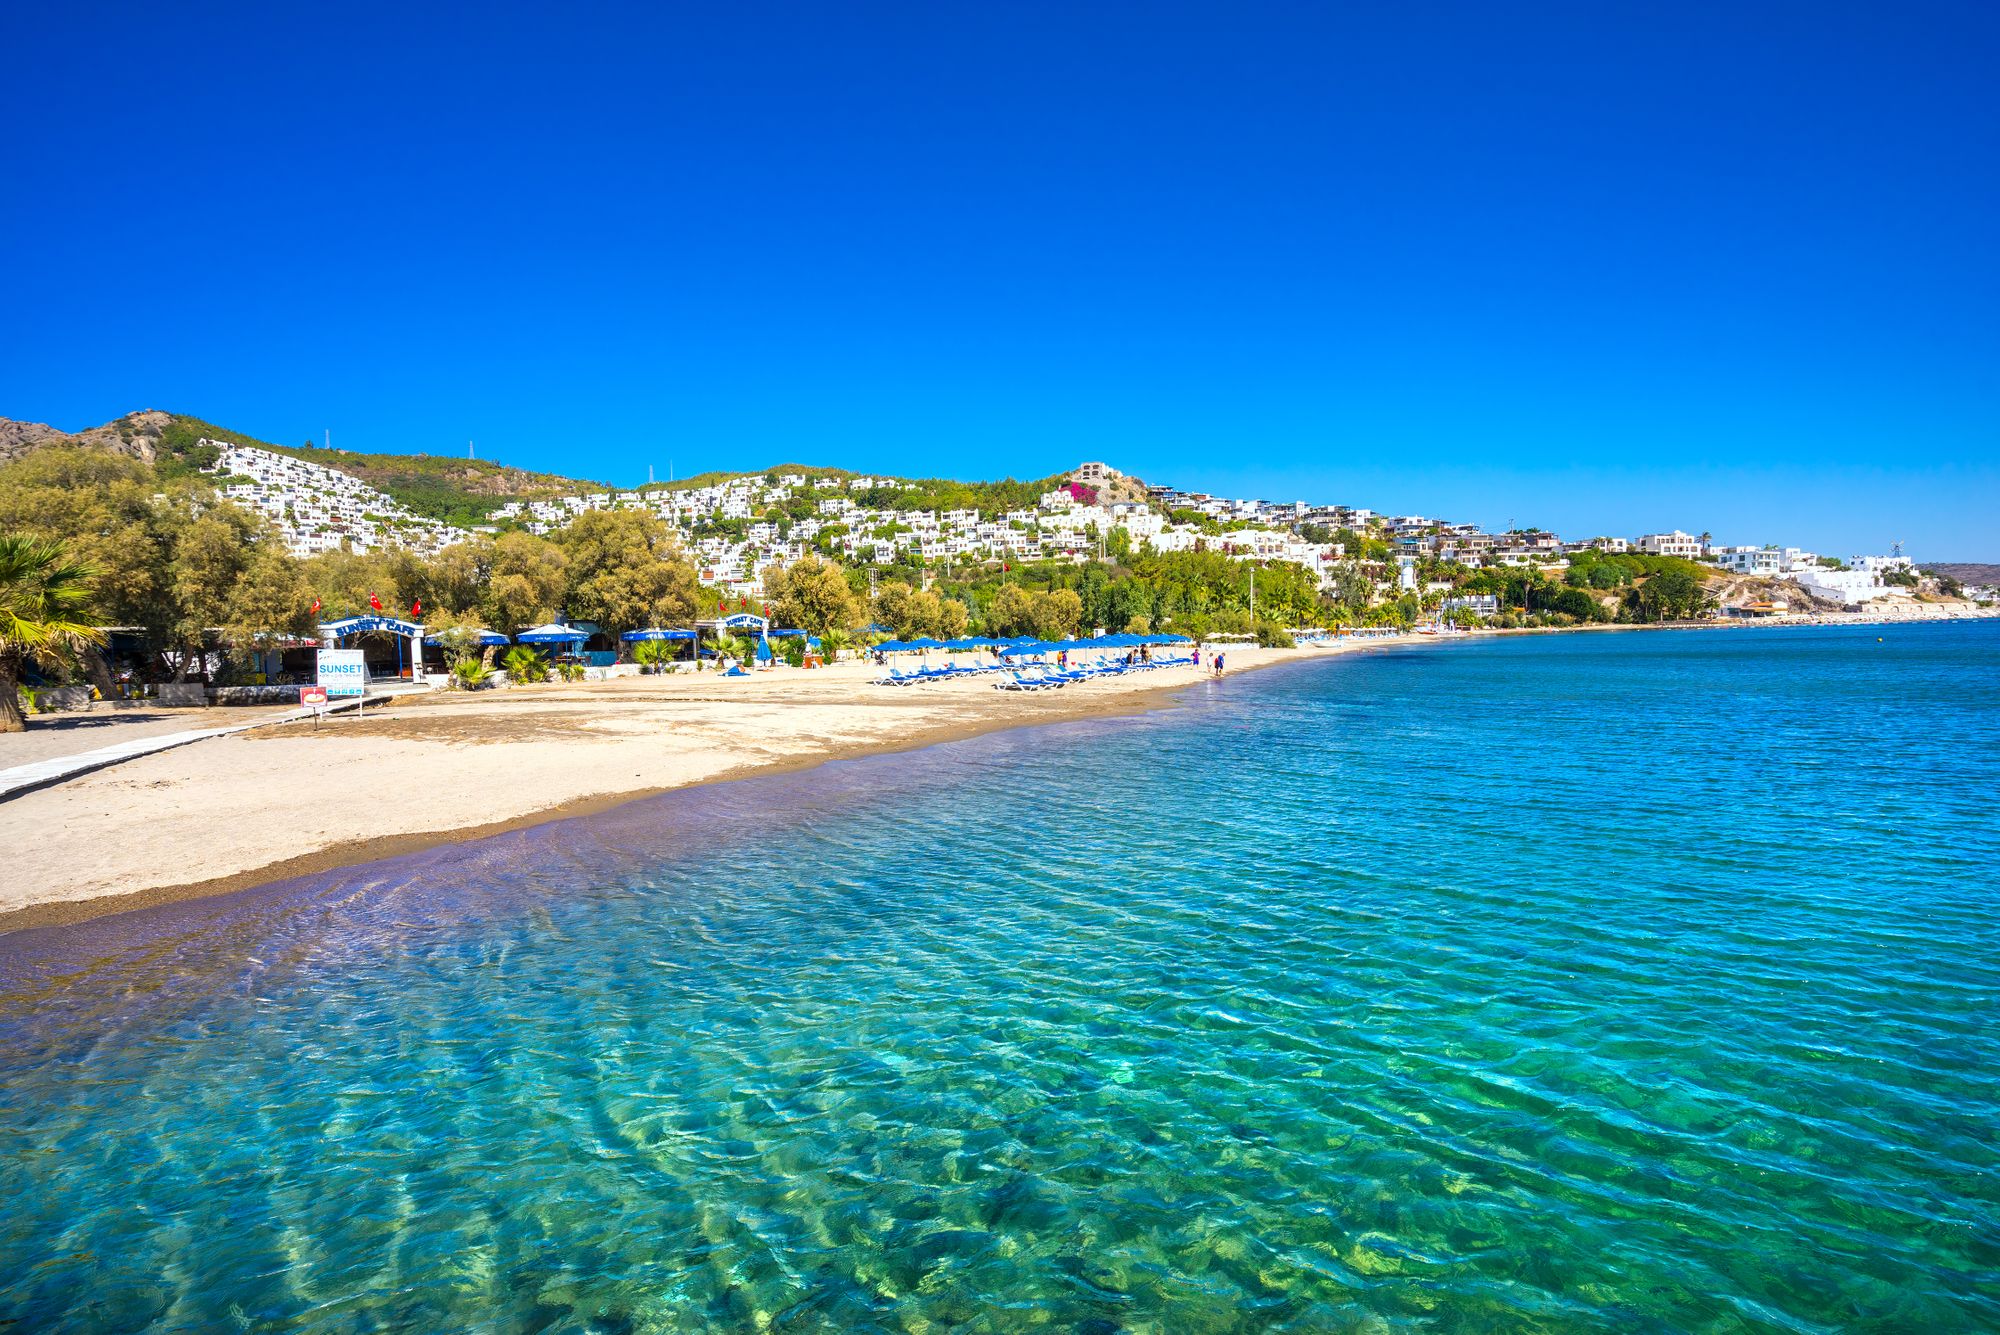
<point x="523" y="664"/>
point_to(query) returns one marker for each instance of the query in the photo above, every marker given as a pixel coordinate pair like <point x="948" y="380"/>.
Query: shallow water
<point x="1614" y="982"/>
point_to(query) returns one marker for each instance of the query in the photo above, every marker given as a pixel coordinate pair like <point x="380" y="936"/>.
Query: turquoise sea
<point x="1629" y="982"/>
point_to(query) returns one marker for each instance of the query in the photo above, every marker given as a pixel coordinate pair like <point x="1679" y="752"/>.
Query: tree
<point x="344" y="581"/>
<point x="625" y="571"/>
<point x="1011" y="612"/>
<point x="909" y="612"/>
<point x="45" y="600"/>
<point x="813" y="595"/>
<point x="953" y="618"/>
<point x="270" y="604"/>
<point x="1057" y="615"/>
<point x="526" y="582"/>
<point x="455" y="579"/>
<point x="211" y="555"/>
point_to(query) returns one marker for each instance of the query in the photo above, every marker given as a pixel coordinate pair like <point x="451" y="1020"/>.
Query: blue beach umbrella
<point x="553" y="633"/>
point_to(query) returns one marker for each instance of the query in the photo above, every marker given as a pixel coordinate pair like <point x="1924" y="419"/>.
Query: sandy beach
<point x="233" y="812"/>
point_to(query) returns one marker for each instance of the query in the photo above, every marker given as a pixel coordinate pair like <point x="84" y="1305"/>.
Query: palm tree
<point x="43" y="597"/>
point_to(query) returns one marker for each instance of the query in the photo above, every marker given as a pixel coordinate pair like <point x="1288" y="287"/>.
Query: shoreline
<point x="928" y="713"/>
<point x="1070" y="705"/>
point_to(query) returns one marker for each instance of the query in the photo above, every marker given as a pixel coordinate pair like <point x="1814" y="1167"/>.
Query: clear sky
<point x="1606" y="268"/>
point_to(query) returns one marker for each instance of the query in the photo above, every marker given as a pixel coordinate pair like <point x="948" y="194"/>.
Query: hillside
<point x="467" y="491"/>
<point x="1982" y="573"/>
<point x="455" y="491"/>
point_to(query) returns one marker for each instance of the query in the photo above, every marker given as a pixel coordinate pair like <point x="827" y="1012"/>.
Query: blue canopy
<point x="895" y="647"/>
<point x="486" y="637"/>
<point x="763" y="650"/>
<point x="651" y="633"/>
<point x="553" y="634"/>
<point x="926" y="642"/>
<point x="788" y="633"/>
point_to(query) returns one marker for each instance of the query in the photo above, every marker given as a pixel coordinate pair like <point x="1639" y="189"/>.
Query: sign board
<point x="312" y="695"/>
<point x="342" y="671"/>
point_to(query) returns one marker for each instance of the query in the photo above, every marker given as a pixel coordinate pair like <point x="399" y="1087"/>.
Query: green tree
<point x="1057" y="615"/>
<point x="625" y="571"/>
<point x="212" y="554"/>
<point x="814" y="595"/>
<point x="526" y="583"/>
<point x="270" y="604"/>
<point x="1011" y="612"/>
<point x="344" y="581"/>
<point x="953" y="618"/>
<point x="909" y="612"/>
<point x="45" y="602"/>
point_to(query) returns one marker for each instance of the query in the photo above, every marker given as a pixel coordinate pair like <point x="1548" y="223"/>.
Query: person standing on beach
<point x="1218" y="663"/>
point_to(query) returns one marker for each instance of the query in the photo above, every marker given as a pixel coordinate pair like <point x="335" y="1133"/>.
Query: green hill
<point x="457" y="491"/>
<point x="467" y="491"/>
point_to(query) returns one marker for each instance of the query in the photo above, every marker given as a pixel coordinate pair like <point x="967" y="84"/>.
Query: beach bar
<point x="406" y="637"/>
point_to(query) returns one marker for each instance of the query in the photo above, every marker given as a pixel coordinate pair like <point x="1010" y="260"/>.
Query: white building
<point x="1675" y="543"/>
<point x="1750" y="560"/>
<point x="1842" y="586"/>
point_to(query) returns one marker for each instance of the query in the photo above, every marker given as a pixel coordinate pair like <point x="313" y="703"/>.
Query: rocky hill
<point x="135" y="434"/>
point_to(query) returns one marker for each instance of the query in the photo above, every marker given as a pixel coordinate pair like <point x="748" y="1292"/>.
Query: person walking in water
<point x="1218" y="663"/>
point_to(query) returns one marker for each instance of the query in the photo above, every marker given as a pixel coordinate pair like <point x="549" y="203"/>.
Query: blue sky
<point x="1725" y="267"/>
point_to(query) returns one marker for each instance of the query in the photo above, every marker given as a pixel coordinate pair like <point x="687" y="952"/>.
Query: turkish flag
<point x="315" y="607"/>
<point x="416" y="607"/>
<point x="374" y="602"/>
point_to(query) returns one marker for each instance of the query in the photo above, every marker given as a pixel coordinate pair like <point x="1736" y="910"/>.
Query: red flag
<point x="721" y="605"/>
<point x="767" y="611"/>
<point x="315" y="607"/>
<point x="374" y="602"/>
<point x="746" y="603"/>
<point x="416" y="607"/>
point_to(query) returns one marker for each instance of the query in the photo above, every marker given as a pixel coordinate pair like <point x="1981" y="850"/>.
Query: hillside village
<point x="738" y="527"/>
